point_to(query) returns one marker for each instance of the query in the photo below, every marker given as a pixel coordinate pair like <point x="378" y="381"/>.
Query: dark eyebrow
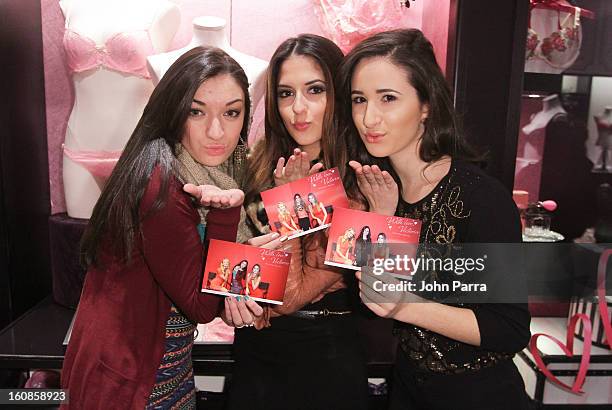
<point x="316" y="80"/>
<point x="229" y="103"/>
<point x="387" y="90"/>
<point x="380" y="91"/>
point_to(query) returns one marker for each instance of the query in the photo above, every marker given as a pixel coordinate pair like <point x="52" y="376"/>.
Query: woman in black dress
<point x="363" y="246"/>
<point x="410" y="160"/>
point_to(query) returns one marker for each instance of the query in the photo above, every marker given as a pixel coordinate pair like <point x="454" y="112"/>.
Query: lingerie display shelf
<point x="545" y="394"/>
<point x="36" y="341"/>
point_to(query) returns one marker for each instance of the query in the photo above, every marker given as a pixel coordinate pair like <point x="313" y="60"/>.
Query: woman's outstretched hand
<point x="297" y="167"/>
<point x="215" y="197"/>
<point x="378" y="187"/>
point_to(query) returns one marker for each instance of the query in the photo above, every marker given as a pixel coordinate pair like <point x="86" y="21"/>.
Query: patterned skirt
<point x="174" y="386"/>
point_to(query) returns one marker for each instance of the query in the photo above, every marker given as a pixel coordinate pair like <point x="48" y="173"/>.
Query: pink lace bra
<point x="560" y="49"/>
<point x="123" y="52"/>
<point x="347" y="22"/>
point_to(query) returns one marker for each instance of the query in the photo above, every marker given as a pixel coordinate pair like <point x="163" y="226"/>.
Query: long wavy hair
<point x="116" y="220"/>
<point x="413" y="53"/>
<point x="277" y="142"/>
<point x="241" y="273"/>
<point x="368" y="237"/>
<point x="298" y="201"/>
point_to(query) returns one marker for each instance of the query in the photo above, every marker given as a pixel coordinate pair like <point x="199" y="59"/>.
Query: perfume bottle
<point x="537" y="218"/>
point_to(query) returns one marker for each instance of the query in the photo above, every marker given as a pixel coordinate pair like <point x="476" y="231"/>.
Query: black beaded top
<point x="467" y="206"/>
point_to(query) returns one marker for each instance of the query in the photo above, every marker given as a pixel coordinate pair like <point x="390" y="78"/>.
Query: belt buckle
<point x="325" y="312"/>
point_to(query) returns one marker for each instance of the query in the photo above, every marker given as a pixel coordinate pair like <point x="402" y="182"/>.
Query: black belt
<point x="317" y="314"/>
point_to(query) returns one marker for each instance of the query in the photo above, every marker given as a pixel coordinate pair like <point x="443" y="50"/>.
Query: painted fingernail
<point x="247" y="298"/>
<point x="238" y="298"/>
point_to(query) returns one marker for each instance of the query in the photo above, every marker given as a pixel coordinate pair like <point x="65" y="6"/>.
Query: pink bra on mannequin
<point x="347" y="22"/>
<point x="561" y="48"/>
<point x="123" y="52"/>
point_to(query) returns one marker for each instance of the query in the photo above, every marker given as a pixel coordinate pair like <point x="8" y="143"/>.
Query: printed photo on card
<point x="236" y="269"/>
<point x="358" y="238"/>
<point x="306" y="205"/>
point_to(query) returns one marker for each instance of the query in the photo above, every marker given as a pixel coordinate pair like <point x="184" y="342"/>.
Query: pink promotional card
<point x="237" y="269"/>
<point x="306" y="205"/>
<point x="358" y="238"/>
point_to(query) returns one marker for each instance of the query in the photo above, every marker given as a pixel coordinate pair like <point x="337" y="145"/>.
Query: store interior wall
<point x="435" y="12"/>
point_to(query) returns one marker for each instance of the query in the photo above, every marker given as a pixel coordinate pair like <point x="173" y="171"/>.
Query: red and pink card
<point x="306" y="205"/>
<point x="237" y="269"/>
<point x="357" y="238"/>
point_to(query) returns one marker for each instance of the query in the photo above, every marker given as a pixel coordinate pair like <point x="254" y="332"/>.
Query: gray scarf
<point x="221" y="176"/>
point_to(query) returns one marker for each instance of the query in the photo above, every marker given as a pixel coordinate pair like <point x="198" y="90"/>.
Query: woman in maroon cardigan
<point x="131" y="343"/>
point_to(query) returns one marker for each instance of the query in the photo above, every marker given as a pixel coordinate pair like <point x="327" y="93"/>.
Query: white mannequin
<point x="551" y="106"/>
<point x="212" y="31"/>
<point x="603" y="122"/>
<point x="108" y="103"/>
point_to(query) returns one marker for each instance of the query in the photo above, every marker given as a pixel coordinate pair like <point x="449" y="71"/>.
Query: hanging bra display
<point x="554" y="36"/>
<point x="559" y="49"/>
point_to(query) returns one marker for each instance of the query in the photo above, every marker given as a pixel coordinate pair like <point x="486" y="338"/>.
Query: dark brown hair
<point x="412" y="52"/>
<point x="277" y="142"/>
<point x="115" y="218"/>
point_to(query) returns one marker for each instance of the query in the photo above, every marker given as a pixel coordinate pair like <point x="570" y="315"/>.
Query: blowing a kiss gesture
<point x="378" y="187"/>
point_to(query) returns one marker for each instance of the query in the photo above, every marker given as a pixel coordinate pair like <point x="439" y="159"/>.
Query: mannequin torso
<point x="603" y="123"/>
<point x="604" y="128"/>
<point x="212" y="31"/>
<point x="108" y="102"/>
<point x="551" y="106"/>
